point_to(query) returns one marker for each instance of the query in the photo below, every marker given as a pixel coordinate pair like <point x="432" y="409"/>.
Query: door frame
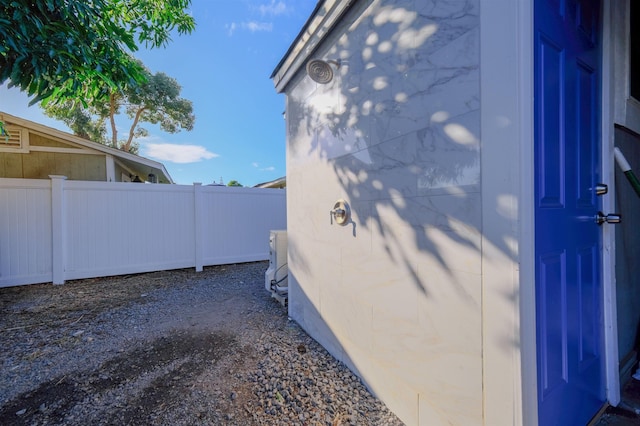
<point x="507" y="123"/>
<point x="612" y="371"/>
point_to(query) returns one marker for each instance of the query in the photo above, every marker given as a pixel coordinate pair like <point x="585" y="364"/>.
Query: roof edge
<point x="280" y="182"/>
<point x="324" y="17"/>
<point x="298" y="37"/>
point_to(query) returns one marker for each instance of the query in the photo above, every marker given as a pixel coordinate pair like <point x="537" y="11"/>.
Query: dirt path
<point x="179" y="348"/>
<point x="160" y="360"/>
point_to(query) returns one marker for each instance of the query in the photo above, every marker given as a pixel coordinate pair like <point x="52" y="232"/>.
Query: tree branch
<point x="127" y="145"/>
<point x="112" y="113"/>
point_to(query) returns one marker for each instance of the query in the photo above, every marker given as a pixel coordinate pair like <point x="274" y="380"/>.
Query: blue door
<point x="568" y="239"/>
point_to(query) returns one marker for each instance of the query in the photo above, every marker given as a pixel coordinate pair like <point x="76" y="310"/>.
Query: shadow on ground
<point x="182" y="357"/>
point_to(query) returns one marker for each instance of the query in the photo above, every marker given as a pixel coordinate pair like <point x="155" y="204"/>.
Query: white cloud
<point x="274" y="8"/>
<point x="254" y="26"/>
<point x="231" y="28"/>
<point x="262" y="169"/>
<point x="181" y="154"/>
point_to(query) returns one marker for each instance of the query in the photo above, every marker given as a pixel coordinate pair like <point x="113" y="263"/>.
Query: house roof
<point x="281" y="182"/>
<point x="133" y="161"/>
<point x="324" y="17"/>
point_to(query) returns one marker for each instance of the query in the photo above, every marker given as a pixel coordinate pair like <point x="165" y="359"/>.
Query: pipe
<point x="626" y="169"/>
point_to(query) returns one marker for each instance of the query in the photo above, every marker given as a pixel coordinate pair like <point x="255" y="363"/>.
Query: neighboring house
<point x="33" y="151"/>
<point x="276" y="183"/>
<point x="446" y="163"/>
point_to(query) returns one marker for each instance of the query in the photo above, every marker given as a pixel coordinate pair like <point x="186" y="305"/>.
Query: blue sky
<point x="224" y="68"/>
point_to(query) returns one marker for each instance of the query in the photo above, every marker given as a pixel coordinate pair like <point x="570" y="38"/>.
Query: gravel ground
<point x="171" y="347"/>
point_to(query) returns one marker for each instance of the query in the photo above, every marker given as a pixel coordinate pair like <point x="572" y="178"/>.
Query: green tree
<point x="234" y="183"/>
<point x="74" y="49"/>
<point x="156" y="101"/>
<point x="80" y="119"/>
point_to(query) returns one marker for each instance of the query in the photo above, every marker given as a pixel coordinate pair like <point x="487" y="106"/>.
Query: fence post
<point x="197" y="220"/>
<point x="58" y="228"/>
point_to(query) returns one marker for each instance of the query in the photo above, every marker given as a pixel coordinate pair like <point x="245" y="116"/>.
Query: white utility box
<point x="276" y="277"/>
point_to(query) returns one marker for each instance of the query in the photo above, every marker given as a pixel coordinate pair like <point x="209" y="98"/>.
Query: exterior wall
<point x="508" y="250"/>
<point x="39" y="140"/>
<point x="37" y="164"/>
<point x="119" y="172"/>
<point x="624" y="112"/>
<point x="627" y="255"/>
<point x="396" y="294"/>
<point x="11" y="165"/>
<point x="42" y="154"/>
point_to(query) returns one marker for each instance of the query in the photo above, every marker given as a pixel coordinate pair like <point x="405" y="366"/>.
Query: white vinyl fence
<point x="56" y="230"/>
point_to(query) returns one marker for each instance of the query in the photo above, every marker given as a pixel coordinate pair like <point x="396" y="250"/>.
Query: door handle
<point x="601" y="189"/>
<point x="609" y="218"/>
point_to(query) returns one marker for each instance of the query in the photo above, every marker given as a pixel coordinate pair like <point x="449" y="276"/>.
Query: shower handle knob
<point x="340" y="212"/>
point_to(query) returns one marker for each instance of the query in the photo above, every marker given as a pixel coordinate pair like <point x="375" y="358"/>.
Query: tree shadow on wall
<point x="399" y="124"/>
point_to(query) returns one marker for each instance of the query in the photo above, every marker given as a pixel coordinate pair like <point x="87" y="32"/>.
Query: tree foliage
<point x="234" y="183"/>
<point x="80" y="119"/>
<point x="70" y="49"/>
<point x="156" y="101"/>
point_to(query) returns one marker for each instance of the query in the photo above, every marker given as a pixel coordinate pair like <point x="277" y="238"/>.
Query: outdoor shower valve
<point x="340" y="212"/>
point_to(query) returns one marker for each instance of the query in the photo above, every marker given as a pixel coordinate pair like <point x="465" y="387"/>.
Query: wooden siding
<point x="39" y="140"/>
<point x="39" y="165"/>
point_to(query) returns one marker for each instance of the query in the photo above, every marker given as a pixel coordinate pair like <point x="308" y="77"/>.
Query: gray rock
<point x="268" y="380"/>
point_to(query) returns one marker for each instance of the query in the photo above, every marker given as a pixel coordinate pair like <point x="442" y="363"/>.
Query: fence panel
<point x="237" y="223"/>
<point x="117" y="228"/>
<point x="107" y="228"/>
<point x="25" y="232"/>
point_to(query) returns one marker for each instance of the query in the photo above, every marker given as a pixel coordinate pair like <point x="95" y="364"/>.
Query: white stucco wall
<point x="397" y="293"/>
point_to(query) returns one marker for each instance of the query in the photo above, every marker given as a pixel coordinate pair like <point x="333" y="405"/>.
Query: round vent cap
<point x="320" y="71"/>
